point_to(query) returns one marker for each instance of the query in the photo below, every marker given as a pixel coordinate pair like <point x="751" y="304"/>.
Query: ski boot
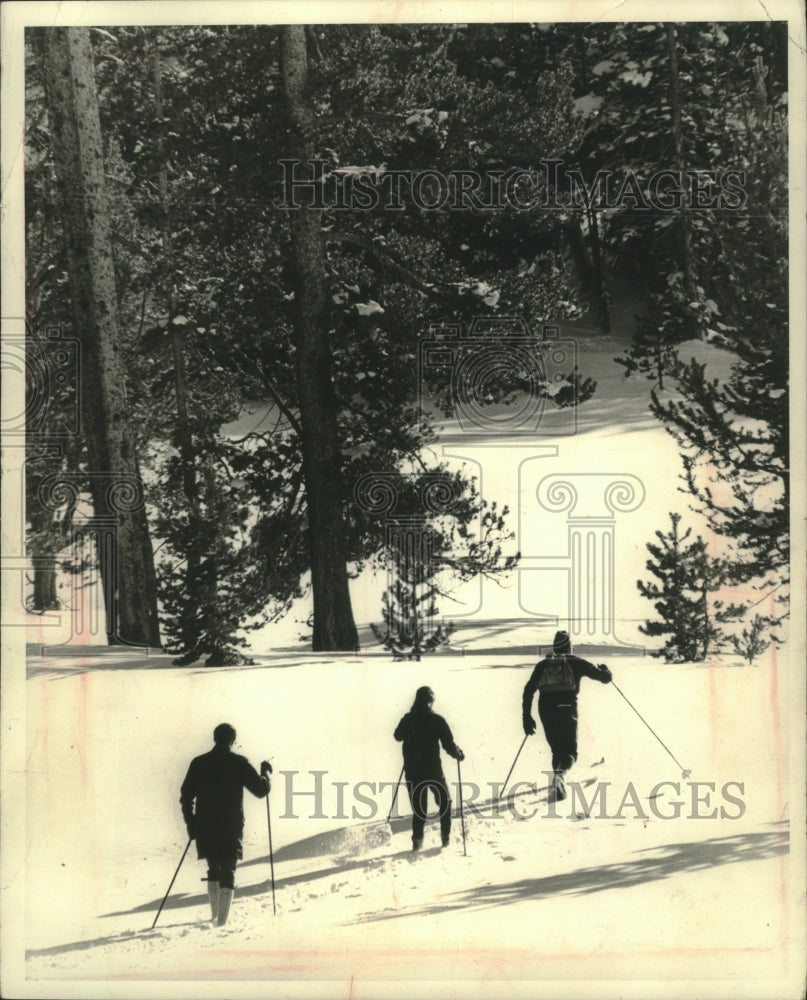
<point x="558" y="787"/>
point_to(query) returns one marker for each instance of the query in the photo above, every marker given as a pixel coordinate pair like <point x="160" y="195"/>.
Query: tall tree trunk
<point x="334" y="628"/>
<point x="687" y="260"/>
<point x="129" y="579"/>
<point x="582" y="56"/>
<point x="45" y="597"/>
<point x="190" y="625"/>
<point x="600" y="291"/>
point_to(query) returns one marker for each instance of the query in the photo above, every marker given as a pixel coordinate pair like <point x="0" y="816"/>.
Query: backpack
<point x="557" y="674"/>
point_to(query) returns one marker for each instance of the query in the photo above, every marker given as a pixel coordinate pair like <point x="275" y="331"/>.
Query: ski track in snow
<point x="109" y="734"/>
<point x="352" y="899"/>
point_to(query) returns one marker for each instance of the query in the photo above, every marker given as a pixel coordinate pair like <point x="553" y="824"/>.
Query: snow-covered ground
<point x="666" y="880"/>
<point x="667" y="886"/>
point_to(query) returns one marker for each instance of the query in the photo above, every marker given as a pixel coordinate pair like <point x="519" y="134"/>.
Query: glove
<point x="605" y="674"/>
<point x="529" y="725"/>
<point x="459" y="754"/>
<point x="266" y="768"/>
<point x="190" y="826"/>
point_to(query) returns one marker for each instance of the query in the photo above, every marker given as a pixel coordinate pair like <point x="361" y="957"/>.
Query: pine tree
<point x="753" y="641"/>
<point x="409" y="612"/>
<point x="686" y="575"/>
<point x="429" y="549"/>
<point x="717" y="279"/>
<point x="128" y="577"/>
<point x="733" y="430"/>
<point x="334" y="627"/>
<point x="658" y="330"/>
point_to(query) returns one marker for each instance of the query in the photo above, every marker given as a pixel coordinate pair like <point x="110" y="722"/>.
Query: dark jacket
<point x="580" y="668"/>
<point x="212" y="798"/>
<point x="421" y="734"/>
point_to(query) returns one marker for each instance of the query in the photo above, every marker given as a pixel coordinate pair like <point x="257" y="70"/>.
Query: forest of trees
<point x="158" y="163"/>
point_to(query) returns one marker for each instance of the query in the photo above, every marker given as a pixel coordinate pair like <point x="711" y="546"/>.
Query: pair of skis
<point x="685" y="772"/>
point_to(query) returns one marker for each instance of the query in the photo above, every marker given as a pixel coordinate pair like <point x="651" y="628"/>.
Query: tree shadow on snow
<point x="474" y="638"/>
<point x="656" y="863"/>
<point x="652" y="864"/>
<point x="199" y="901"/>
<point x="60" y="662"/>
<point x="345" y="848"/>
<point x="182" y="901"/>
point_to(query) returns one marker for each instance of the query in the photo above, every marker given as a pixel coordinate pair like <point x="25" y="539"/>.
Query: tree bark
<point x="334" y="627"/>
<point x="45" y="597"/>
<point x="129" y="579"/>
<point x="600" y="292"/>
<point x="687" y="260"/>
<point x="191" y="625"/>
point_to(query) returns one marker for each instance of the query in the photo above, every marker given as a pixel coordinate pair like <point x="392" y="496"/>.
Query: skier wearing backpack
<point x="422" y="731"/>
<point x="212" y="801"/>
<point x="557" y="680"/>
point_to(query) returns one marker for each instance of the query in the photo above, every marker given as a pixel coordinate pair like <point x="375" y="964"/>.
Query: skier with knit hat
<point x="213" y="809"/>
<point x="422" y="731"/>
<point x="557" y="680"/>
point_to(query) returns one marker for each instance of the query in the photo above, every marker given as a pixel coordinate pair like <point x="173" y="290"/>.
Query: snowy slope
<point x="628" y="893"/>
<point x="667" y="889"/>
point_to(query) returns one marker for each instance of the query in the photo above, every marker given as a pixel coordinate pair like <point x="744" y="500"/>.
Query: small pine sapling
<point x="753" y="640"/>
<point x="686" y="575"/>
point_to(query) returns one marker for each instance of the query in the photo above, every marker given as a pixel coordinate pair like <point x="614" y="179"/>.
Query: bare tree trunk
<point x="129" y="579"/>
<point x="191" y="626"/>
<point x="334" y="628"/>
<point x="600" y="291"/>
<point x="45" y="597"/>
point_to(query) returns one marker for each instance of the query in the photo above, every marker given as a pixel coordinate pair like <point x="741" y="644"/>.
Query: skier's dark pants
<point x="221" y="866"/>
<point x="559" y="719"/>
<point x="418" y="789"/>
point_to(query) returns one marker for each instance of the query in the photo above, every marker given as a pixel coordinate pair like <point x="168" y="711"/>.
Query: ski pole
<point x="395" y="796"/>
<point x="271" y="854"/>
<point x="462" y="814"/>
<point x="172" y="883"/>
<point x="501" y="793"/>
<point x="685" y="773"/>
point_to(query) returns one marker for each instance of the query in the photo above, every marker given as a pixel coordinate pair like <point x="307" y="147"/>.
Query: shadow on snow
<point x="651" y="864"/>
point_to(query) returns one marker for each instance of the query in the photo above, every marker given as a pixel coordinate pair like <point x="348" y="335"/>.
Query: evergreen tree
<point x="114" y="475"/>
<point x="200" y="178"/>
<point x="52" y="390"/>
<point x="686" y="575"/>
<point x="334" y="627"/>
<point x="754" y="639"/>
<point x="714" y="335"/>
<point x="431" y="547"/>
<point x="409" y="611"/>
<point x="733" y="429"/>
<point x="387" y="275"/>
<point x="657" y="332"/>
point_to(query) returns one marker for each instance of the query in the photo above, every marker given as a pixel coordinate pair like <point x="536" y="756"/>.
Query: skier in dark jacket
<point x="557" y="679"/>
<point x="422" y="731"/>
<point x="212" y="800"/>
